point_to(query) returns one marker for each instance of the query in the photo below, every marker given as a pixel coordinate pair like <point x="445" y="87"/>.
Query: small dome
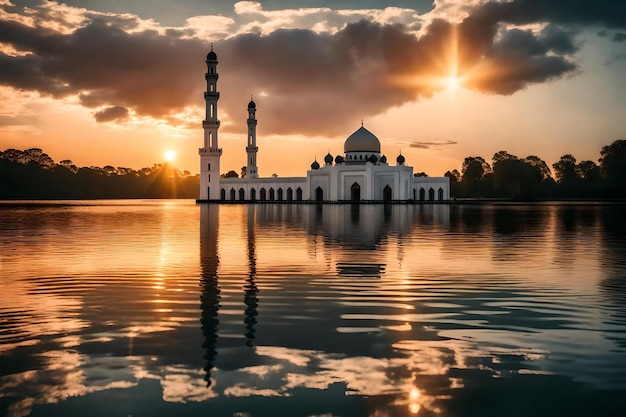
<point x="252" y="105"/>
<point x="315" y="165"/>
<point x="400" y="159"/>
<point x="373" y="159"/>
<point x="339" y="159"/>
<point x="383" y="159"/>
<point x="211" y="56"/>
<point x="328" y="158"/>
<point x="362" y="141"/>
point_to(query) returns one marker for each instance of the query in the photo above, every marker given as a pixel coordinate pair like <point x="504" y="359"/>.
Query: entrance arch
<point x="272" y="196"/>
<point x="440" y="194"/>
<point x="242" y="194"/>
<point x="355" y="192"/>
<point x="319" y="194"/>
<point x="431" y="194"/>
<point x="422" y="194"/>
<point x="252" y="194"/>
<point x="263" y="194"/>
<point x="289" y="194"/>
<point x="280" y="194"/>
<point x="387" y="193"/>
<point x="223" y="194"/>
<point x="232" y="194"/>
<point x="299" y="194"/>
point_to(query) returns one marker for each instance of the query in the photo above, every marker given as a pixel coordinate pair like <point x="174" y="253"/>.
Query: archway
<point x="272" y="194"/>
<point x="263" y="194"/>
<point x="319" y="194"/>
<point x="299" y="194"/>
<point x="223" y="194"/>
<point x="431" y="194"/>
<point x="280" y="194"/>
<point x="414" y="194"/>
<point x="242" y="194"/>
<point x="289" y="194"/>
<point x="422" y="194"/>
<point x="232" y="194"/>
<point x="355" y="192"/>
<point x="440" y="192"/>
<point x="387" y="194"/>
<point x="252" y="194"/>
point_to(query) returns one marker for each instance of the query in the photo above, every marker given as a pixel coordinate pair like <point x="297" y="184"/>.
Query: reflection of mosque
<point x="210" y="296"/>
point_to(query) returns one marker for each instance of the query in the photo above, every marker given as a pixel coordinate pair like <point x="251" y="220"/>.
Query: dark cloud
<point x="619" y="37"/>
<point x="432" y="144"/>
<point x="110" y="114"/>
<point x="303" y="82"/>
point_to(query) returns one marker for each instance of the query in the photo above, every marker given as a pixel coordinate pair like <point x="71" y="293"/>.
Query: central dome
<point x="362" y="141"/>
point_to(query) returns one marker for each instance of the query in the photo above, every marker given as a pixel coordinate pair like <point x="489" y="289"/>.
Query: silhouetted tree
<point x="230" y="174"/>
<point x="613" y="168"/>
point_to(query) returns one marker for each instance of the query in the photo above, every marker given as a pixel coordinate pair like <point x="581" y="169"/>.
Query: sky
<point x="121" y="83"/>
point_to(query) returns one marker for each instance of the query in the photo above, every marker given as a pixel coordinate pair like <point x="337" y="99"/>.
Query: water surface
<point x="160" y="308"/>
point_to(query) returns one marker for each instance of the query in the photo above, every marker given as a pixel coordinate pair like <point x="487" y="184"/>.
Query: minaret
<point x="251" y="148"/>
<point x="210" y="154"/>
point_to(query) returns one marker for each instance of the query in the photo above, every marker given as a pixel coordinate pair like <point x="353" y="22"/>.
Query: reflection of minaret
<point x="210" y="295"/>
<point x="250" y="289"/>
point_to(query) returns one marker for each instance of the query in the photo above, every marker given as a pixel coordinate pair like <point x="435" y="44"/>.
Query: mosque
<point x="361" y="174"/>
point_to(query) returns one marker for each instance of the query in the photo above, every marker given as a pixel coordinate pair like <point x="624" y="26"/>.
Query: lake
<point x="168" y="308"/>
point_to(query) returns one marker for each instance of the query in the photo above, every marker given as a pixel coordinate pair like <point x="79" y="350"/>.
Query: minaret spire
<point x="210" y="153"/>
<point x="252" y="170"/>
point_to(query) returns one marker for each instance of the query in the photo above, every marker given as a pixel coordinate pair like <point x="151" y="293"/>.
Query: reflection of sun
<point x="170" y="155"/>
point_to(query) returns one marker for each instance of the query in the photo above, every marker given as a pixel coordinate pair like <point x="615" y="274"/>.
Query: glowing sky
<point x="120" y="83"/>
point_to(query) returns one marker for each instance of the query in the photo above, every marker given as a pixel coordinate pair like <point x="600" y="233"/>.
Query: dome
<point x="383" y="159"/>
<point x="372" y="159"/>
<point x="339" y="159"/>
<point x="362" y="141"/>
<point x="328" y="158"/>
<point x="252" y="105"/>
<point x="315" y="165"/>
<point x="211" y="56"/>
<point x="400" y="159"/>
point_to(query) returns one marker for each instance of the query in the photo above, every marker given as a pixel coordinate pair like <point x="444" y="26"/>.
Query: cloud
<point x="316" y="80"/>
<point x="111" y="114"/>
<point x="432" y="144"/>
<point x="619" y="37"/>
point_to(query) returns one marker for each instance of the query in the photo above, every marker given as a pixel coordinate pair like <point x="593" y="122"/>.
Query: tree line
<point x="32" y="174"/>
<point x="530" y="178"/>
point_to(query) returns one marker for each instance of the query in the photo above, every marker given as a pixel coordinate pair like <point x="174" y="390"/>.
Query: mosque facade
<point x="361" y="174"/>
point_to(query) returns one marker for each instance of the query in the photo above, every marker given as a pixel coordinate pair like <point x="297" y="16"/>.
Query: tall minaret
<point x="252" y="149"/>
<point x="210" y="154"/>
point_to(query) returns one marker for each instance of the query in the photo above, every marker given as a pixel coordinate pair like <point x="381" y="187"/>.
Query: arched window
<point x="272" y="197"/>
<point x="440" y="192"/>
<point x="232" y="194"/>
<point x="263" y="194"/>
<point x="422" y="194"/>
<point x="252" y="194"/>
<point x="242" y="194"/>
<point x="387" y="194"/>
<point x="319" y="194"/>
<point x="223" y="194"/>
<point x="280" y="194"/>
<point x="431" y="194"/>
<point x="355" y="192"/>
<point x="299" y="194"/>
<point x="212" y="110"/>
<point x="414" y="194"/>
<point x="289" y="194"/>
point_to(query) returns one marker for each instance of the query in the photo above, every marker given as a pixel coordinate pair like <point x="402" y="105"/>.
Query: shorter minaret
<point x="251" y="167"/>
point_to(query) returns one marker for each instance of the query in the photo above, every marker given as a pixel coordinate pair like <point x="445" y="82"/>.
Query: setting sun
<point x="452" y="83"/>
<point x="170" y="156"/>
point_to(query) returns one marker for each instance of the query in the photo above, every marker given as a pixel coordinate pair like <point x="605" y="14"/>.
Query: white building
<point x="361" y="174"/>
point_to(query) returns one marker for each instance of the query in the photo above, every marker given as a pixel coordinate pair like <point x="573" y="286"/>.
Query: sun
<point x="452" y="83"/>
<point x="170" y="156"/>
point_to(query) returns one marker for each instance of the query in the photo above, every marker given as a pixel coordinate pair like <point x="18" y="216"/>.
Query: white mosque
<point x="362" y="174"/>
